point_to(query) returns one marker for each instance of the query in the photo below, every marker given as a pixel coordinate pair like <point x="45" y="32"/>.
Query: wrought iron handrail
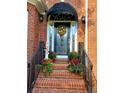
<point x="87" y="64"/>
<point x="33" y="71"/>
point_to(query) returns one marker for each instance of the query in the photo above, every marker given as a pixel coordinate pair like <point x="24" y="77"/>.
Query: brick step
<point x="61" y="60"/>
<point x="60" y="66"/>
<point x="60" y="83"/>
<point x="60" y="70"/>
<point x="63" y="74"/>
<point x="44" y="90"/>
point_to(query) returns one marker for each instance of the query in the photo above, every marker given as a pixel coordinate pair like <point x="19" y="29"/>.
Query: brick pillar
<point x="33" y="30"/>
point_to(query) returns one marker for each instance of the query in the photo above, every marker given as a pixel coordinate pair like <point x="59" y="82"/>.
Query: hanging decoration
<point x="61" y="30"/>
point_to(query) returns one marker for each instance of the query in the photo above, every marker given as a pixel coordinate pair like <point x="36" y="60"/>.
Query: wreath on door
<point x="61" y="30"/>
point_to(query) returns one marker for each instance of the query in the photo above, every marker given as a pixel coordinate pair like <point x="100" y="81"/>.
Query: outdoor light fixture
<point x="42" y="16"/>
<point x="43" y="13"/>
<point x="83" y="19"/>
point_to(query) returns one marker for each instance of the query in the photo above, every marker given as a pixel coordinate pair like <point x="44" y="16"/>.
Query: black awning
<point x="62" y="11"/>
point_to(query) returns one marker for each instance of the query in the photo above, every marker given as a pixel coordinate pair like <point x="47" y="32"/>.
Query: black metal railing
<point x="32" y="70"/>
<point x="87" y="65"/>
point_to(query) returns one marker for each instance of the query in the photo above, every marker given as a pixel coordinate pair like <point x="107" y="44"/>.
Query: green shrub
<point x="72" y="55"/>
<point x="52" y="55"/>
<point x="46" y="67"/>
<point x="73" y="68"/>
<point x="76" y="69"/>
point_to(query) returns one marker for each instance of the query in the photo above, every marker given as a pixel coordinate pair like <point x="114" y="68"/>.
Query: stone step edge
<point x="57" y="89"/>
<point x="60" y="78"/>
<point x="60" y="69"/>
<point x="53" y="78"/>
<point x="69" y="88"/>
<point x="47" y="84"/>
<point x="62" y="88"/>
<point x="61" y="74"/>
<point x="39" y="90"/>
<point x="61" y="62"/>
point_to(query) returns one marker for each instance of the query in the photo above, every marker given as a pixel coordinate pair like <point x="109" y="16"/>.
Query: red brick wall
<point x="92" y="34"/>
<point x="36" y="30"/>
<point x="81" y="30"/>
<point x="43" y="30"/>
<point x="79" y="5"/>
<point x="31" y="29"/>
<point x="92" y="40"/>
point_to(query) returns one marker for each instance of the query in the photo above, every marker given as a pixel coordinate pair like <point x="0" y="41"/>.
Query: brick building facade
<point x="37" y="28"/>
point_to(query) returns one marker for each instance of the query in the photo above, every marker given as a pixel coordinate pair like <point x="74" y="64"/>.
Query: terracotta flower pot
<point x="74" y="61"/>
<point x="53" y="60"/>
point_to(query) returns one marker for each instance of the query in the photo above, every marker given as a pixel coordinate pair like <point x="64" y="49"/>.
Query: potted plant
<point x="46" y="67"/>
<point x="75" y="61"/>
<point x="76" y="68"/>
<point x="52" y="56"/>
<point x="73" y="57"/>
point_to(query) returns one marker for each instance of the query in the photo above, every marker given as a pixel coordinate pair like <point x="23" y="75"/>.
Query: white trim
<point x="61" y="56"/>
<point x="47" y="42"/>
<point x="86" y="33"/>
<point x="76" y="42"/>
<point x="70" y="38"/>
<point x="73" y="32"/>
<point x="52" y="31"/>
<point x="62" y="0"/>
<point x="86" y="28"/>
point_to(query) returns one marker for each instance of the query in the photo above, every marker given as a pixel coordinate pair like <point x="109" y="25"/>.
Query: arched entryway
<point x="61" y="29"/>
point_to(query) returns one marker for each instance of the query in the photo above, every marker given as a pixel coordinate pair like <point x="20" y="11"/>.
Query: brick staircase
<point x="60" y="81"/>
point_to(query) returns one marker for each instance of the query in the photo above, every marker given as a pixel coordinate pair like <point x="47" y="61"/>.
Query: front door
<point x="61" y="40"/>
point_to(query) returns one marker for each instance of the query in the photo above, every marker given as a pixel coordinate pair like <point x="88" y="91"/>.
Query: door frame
<point x="68" y="38"/>
<point x="73" y="26"/>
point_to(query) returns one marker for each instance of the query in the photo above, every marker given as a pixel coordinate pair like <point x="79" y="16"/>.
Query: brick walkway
<point x="60" y="81"/>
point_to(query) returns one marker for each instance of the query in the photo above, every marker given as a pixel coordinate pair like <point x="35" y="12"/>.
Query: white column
<point x="74" y="32"/>
<point x="71" y="38"/>
<point x="76" y="43"/>
<point x="47" y="42"/>
<point x="53" y="37"/>
<point x="86" y="28"/>
<point x="86" y="35"/>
